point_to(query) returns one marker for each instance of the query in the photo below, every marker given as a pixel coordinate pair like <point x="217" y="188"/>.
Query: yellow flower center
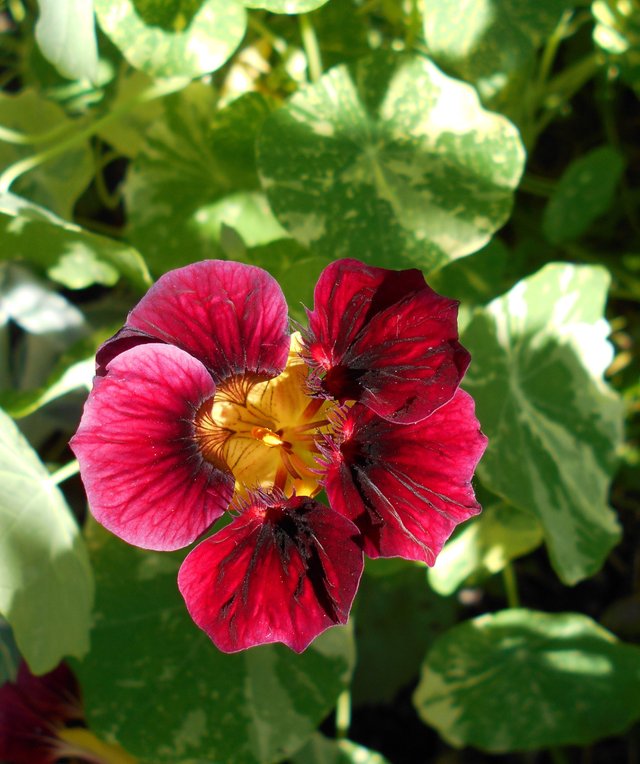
<point x="266" y="432"/>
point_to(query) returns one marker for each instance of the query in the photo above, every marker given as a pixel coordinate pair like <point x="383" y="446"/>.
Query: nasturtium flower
<point x="204" y="404"/>
<point x="42" y="722"/>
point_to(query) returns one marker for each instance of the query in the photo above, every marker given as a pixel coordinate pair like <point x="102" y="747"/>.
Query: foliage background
<point x="491" y="143"/>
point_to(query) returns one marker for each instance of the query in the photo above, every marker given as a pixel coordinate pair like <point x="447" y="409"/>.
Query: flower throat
<point x="266" y="432"/>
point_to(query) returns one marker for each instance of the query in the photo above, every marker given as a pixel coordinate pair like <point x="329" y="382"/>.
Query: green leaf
<point x="390" y="159"/>
<point x="397" y="619"/>
<point x="567" y="680"/>
<point x="484" y="546"/>
<point x="71" y="256"/>
<point x="491" y="43"/>
<point x="321" y="750"/>
<point x="127" y="133"/>
<point x="65" y="32"/>
<point x="58" y="183"/>
<point x="285" y="6"/>
<point x="175" y="38"/>
<point x="191" y="160"/>
<point x="149" y="660"/>
<point x="553" y="425"/>
<point x="46" y="585"/>
<point x="584" y="193"/>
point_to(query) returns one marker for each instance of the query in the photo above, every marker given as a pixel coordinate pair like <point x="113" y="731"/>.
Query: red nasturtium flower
<point x="204" y="403"/>
<point x="42" y="722"/>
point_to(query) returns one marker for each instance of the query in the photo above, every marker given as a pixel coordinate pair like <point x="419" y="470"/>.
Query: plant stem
<point x="69" y="470"/>
<point x="311" y="47"/>
<point x="510" y="585"/>
<point x="343" y="715"/>
<point x="157" y="90"/>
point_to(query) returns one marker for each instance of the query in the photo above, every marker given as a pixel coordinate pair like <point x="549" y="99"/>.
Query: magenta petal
<point x="280" y="572"/>
<point x="145" y="477"/>
<point x="231" y="317"/>
<point x="385" y="339"/>
<point x="406" y="486"/>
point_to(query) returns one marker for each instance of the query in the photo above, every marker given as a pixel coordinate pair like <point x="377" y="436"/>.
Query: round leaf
<point x="66" y="34"/>
<point x="390" y="160"/>
<point x="157" y="41"/>
<point x="157" y="684"/>
<point x="539" y="354"/>
<point x="566" y="680"/>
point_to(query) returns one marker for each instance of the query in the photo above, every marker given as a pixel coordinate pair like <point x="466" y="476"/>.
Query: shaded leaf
<point x="571" y="681"/>
<point x="190" y="161"/>
<point x="397" y="619"/>
<point x="46" y="587"/>
<point x="584" y="193"/>
<point x="390" y="159"/>
<point x="553" y="425"/>
<point x="58" y="183"/>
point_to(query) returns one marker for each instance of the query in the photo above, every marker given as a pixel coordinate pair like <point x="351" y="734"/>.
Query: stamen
<point x="267" y="436"/>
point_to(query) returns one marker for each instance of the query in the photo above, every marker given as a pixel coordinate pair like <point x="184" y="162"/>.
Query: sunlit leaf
<point x="584" y="193"/>
<point x="72" y="256"/>
<point x="148" y="659"/>
<point x="484" y="546"/>
<point x="171" y="39"/>
<point x="58" y="183"/>
<point x="321" y="750"/>
<point x="553" y="425"/>
<point x="65" y="32"/>
<point x="617" y="33"/>
<point x="285" y="6"/>
<point x="490" y="43"/>
<point x="46" y="586"/>
<point x="520" y="680"/>
<point x="392" y="161"/>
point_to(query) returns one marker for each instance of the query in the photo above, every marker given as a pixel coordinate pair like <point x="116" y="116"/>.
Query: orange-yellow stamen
<point x="266" y="432"/>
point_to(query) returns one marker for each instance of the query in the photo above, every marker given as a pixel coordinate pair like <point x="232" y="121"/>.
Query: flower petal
<point x="32" y="710"/>
<point x="406" y="487"/>
<point x="231" y="317"/>
<point x="145" y="477"/>
<point x="282" y="571"/>
<point x="386" y="339"/>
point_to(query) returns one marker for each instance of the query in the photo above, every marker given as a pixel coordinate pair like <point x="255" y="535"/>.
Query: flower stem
<point x="157" y="90"/>
<point x="64" y="473"/>
<point x="343" y="715"/>
<point x="311" y="47"/>
<point x="510" y="585"/>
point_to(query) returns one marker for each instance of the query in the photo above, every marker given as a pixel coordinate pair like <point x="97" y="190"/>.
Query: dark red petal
<point x="385" y="339"/>
<point x="145" y="477"/>
<point x="406" y="487"/>
<point x="279" y="573"/>
<point x="231" y="317"/>
<point x="124" y="339"/>
<point x="31" y="711"/>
